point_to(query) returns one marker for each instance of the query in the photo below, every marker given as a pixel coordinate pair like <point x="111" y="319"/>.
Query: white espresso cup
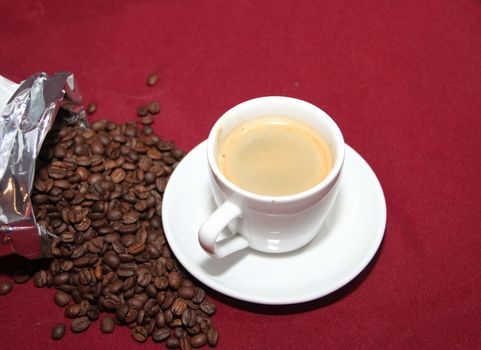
<point x="271" y="224"/>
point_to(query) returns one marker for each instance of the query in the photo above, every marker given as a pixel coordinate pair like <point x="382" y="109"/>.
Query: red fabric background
<point x="401" y="78"/>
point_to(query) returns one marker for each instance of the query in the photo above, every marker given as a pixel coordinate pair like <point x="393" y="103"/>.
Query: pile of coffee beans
<point x="99" y="191"/>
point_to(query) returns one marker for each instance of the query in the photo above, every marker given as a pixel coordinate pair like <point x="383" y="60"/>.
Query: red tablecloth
<point x="401" y="78"/>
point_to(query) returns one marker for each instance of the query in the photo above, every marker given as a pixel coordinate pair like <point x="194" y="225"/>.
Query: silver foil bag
<point x="24" y="124"/>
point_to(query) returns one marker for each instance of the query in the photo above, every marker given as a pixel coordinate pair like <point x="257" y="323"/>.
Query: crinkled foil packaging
<point x="24" y="124"/>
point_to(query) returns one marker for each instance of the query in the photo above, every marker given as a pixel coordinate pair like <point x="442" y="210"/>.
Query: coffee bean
<point x="122" y="312"/>
<point x="83" y="225"/>
<point x="144" y="277"/>
<point x="154" y="153"/>
<point x="5" y="287"/>
<point x="212" y="337"/>
<point x="154" y="107"/>
<point x="112" y="301"/>
<point x="142" y="111"/>
<point x="152" y="79"/>
<point x="175" y="279"/>
<point x="189" y="317"/>
<point x="58" y="331"/>
<point x="172" y="342"/>
<point x="199" y="296"/>
<point x="207" y="307"/>
<point x="20" y="278"/>
<point x="107" y="325"/>
<point x="161" y="334"/>
<point x="186" y="292"/>
<point x="161" y="184"/>
<point x="40" y="278"/>
<point x="131" y="315"/>
<point x="147" y="120"/>
<point x="178" y="306"/>
<point x="93" y="313"/>
<point x="136" y="248"/>
<point x="111" y="260"/>
<point x="184" y="342"/>
<point x="91" y="108"/>
<point x="84" y="307"/>
<point x="72" y="311"/>
<point x="80" y="324"/>
<point x="61" y="278"/>
<point x="139" y="334"/>
<point x="199" y="340"/>
<point x="130" y="218"/>
<point x="177" y="153"/>
<point x="61" y="299"/>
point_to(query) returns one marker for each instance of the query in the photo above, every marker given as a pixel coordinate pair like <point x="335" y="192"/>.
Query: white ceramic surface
<point x="269" y="223"/>
<point x="348" y="240"/>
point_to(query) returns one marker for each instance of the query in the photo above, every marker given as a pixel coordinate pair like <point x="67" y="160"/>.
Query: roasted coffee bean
<point x="161" y="334"/>
<point x="184" y="342"/>
<point x="58" y="331"/>
<point x="136" y="248"/>
<point x="186" y="292"/>
<point x="161" y="184"/>
<point x="115" y="287"/>
<point x="72" y="310"/>
<point x="118" y="175"/>
<point x="111" y="260"/>
<point x="20" y="278"/>
<point x="189" y="317"/>
<point x="154" y="153"/>
<point x="40" y="278"/>
<point x="93" y="313"/>
<point x="5" y="287"/>
<point x="82" y="261"/>
<point x="207" y="307"/>
<point x="111" y="301"/>
<point x="130" y="218"/>
<point x="91" y="108"/>
<point x="175" y="279"/>
<point x="80" y="324"/>
<point x="61" y="299"/>
<point x="147" y="120"/>
<point x="131" y="228"/>
<point x="152" y="79"/>
<point x="172" y="342"/>
<point x="142" y="111"/>
<point x="125" y="272"/>
<point x="178" y="306"/>
<point x="143" y="277"/>
<point x="131" y="315"/>
<point x="84" y="307"/>
<point x="199" y="296"/>
<point x="76" y="297"/>
<point x="199" y="340"/>
<point x="139" y="334"/>
<point x="150" y="290"/>
<point x="107" y="325"/>
<point x="212" y="337"/>
<point x="154" y="107"/>
<point x="160" y="319"/>
<point x="168" y="300"/>
<point x="61" y="278"/>
<point x="122" y="312"/>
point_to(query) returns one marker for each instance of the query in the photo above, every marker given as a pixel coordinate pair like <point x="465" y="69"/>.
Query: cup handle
<point x="213" y="226"/>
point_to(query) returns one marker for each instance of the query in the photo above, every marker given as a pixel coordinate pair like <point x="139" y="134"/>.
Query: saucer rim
<point x="203" y="277"/>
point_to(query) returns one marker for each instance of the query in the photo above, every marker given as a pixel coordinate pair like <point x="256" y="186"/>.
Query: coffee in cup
<point x="274" y="156"/>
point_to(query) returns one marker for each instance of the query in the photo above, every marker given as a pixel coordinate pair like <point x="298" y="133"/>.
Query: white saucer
<point x="347" y="242"/>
